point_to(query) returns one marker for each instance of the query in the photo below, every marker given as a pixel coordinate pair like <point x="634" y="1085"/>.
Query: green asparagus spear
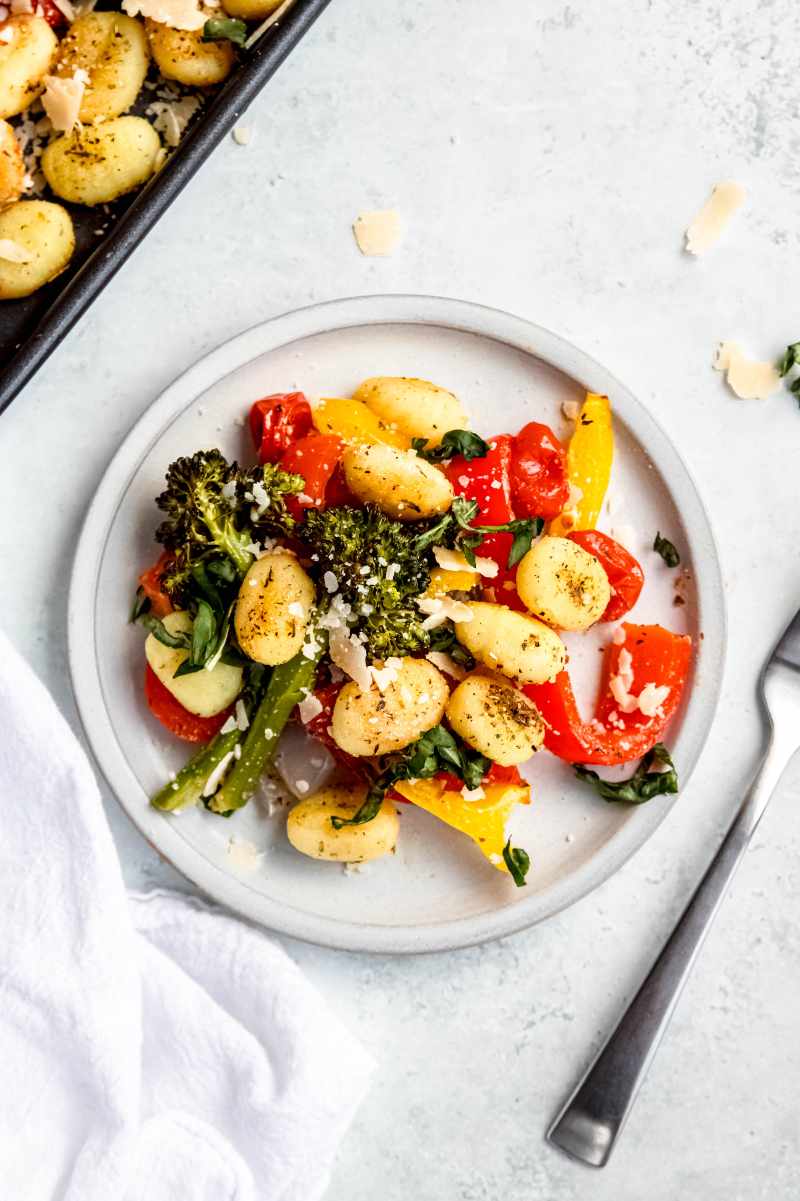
<point x="288" y="684"/>
<point x="187" y="787"/>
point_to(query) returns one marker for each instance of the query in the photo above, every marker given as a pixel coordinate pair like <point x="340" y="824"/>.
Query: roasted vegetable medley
<point x="399" y="586"/>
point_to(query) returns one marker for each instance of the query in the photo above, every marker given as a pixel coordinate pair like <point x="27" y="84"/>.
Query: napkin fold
<point x="152" y="1048"/>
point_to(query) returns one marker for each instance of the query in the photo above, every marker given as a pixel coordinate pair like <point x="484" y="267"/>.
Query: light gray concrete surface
<point x="545" y="159"/>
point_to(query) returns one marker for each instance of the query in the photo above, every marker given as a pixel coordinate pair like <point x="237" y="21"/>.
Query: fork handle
<point x="591" y="1120"/>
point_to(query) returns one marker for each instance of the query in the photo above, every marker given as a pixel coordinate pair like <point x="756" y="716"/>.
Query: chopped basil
<point x="790" y="360"/>
<point x="455" y="442"/>
<point x="225" y="29"/>
<point x="436" y="751"/>
<point x="667" y="550"/>
<point x="141" y="604"/>
<point x="157" y="628"/>
<point x="443" y="638"/>
<point x="654" y="776"/>
<point x="518" y="863"/>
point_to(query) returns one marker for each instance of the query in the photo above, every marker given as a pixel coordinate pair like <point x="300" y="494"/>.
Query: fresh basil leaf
<point x="474" y="768"/>
<point x="655" y="776"/>
<point x="369" y="809"/>
<point x="518" y="863"/>
<point x="667" y="550"/>
<point x="159" y="630"/>
<point x="790" y="359"/>
<point x="225" y="29"/>
<point x="443" y="638"/>
<point x="455" y="442"/>
<point x="141" y="605"/>
<point x="204" y="633"/>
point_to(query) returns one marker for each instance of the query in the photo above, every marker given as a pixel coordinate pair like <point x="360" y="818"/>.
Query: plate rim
<point x="262" y="338"/>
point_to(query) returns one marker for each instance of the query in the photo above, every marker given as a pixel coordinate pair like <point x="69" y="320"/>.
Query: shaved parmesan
<point x="649" y="700"/>
<point x="179" y="14"/>
<point x="724" y="201"/>
<point x="377" y="233"/>
<point x="350" y="655"/>
<point x="243" y="854"/>
<point x="12" y="252"/>
<point x="441" y="609"/>
<point x="62" y="99"/>
<point x="309" y="708"/>
<point x="747" y="379"/>
<point x="454" y="560"/>
<point x="473" y="794"/>
<point x="388" y="674"/>
<point x="215" y="779"/>
<point x="447" y="664"/>
<point x="242" y="135"/>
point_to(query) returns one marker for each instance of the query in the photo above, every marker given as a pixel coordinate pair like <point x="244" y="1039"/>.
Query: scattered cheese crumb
<point x="179" y="14"/>
<point x="447" y="664"/>
<point x="330" y="581"/>
<point x="473" y="794"/>
<point x="355" y="869"/>
<point x="301" y="786"/>
<point x="242" y="135"/>
<point x="62" y="99"/>
<point x="619" y="636"/>
<point x="454" y="560"/>
<point x="651" y="698"/>
<point x="295" y="609"/>
<point x="441" y="609"/>
<point x="212" y="783"/>
<point x="391" y="571"/>
<point x="243" y="854"/>
<point x="377" y="233"/>
<point x="13" y="252"/>
<point x="242" y="720"/>
<point x="724" y="201"/>
<point x="350" y="655"/>
<point x="747" y="379"/>
<point x="230" y="725"/>
<point x="309" y="708"/>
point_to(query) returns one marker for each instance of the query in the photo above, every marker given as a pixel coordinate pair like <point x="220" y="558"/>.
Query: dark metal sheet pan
<point x="30" y="329"/>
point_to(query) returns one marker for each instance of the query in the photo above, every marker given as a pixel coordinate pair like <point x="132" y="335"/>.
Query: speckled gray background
<point x="545" y="164"/>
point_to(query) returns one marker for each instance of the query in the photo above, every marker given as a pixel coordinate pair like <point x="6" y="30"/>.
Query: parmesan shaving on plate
<point x="454" y="560"/>
<point x="62" y="99"/>
<point x="649" y="700"/>
<point x="441" y="609"/>
<point x="724" y="201"/>
<point x="309" y="708"/>
<point x="242" y="135"/>
<point x="447" y="664"/>
<point x="179" y="14"/>
<point x="243" y="853"/>
<point x="377" y="233"/>
<point x="12" y="252"/>
<point x="747" y="379"/>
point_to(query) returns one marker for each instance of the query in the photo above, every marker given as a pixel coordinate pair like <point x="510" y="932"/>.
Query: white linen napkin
<point x="151" y="1048"/>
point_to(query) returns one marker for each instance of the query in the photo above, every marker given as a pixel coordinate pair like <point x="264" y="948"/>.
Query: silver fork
<point x="590" y="1123"/>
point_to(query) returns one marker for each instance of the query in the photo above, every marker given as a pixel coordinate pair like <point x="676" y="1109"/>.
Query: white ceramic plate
<point x="437" y="892"/>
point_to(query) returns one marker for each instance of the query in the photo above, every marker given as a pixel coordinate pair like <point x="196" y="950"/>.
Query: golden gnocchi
<point x="399" y="482"/>
<point x="202" y="692"/>
<point x="111" y="49"/>
<point x="414" y="406"/>
<point x="12" y="165"/>
<point x="515" y="644"/>
<point x="36" y="243"/>
<point x="563" y="584"/>
<point x="274" y="608"/>
<point x="495" y="718"/>
<point x="368" y="721"/>
<point x="25" y="58"/>
<point x="96" y="164"/>
<point x="182" y="54"/>
<point x="311" y="832"/>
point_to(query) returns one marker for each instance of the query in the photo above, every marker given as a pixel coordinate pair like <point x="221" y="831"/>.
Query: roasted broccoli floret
<point x="372" y="564"/>
<point x="215" y="512"/>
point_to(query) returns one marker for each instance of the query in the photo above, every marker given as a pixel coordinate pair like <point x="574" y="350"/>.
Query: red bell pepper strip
<point x="488" y="482"/>
<point x="151" y="585"/>
<point x="539" y="484"/>
<point x="495" y="775"/>
<point x="612" y="737"/>
<point x="624" y="573"/>
<point x="172" y="714"/>
<point x="277" y="421"/>
<point x="316" y="458"/>
<point x="51" y="13"/>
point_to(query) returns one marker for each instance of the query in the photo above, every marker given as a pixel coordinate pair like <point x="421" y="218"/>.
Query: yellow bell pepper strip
<point x="589" y="458"/>
<point x="483" y="821"/>
<point x="352" y="421"/>
<point x="443" y="582"/>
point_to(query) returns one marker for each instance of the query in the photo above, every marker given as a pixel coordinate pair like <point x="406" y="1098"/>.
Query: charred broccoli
<point x="372" y="564"/>
<point x="215" y="512"/>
